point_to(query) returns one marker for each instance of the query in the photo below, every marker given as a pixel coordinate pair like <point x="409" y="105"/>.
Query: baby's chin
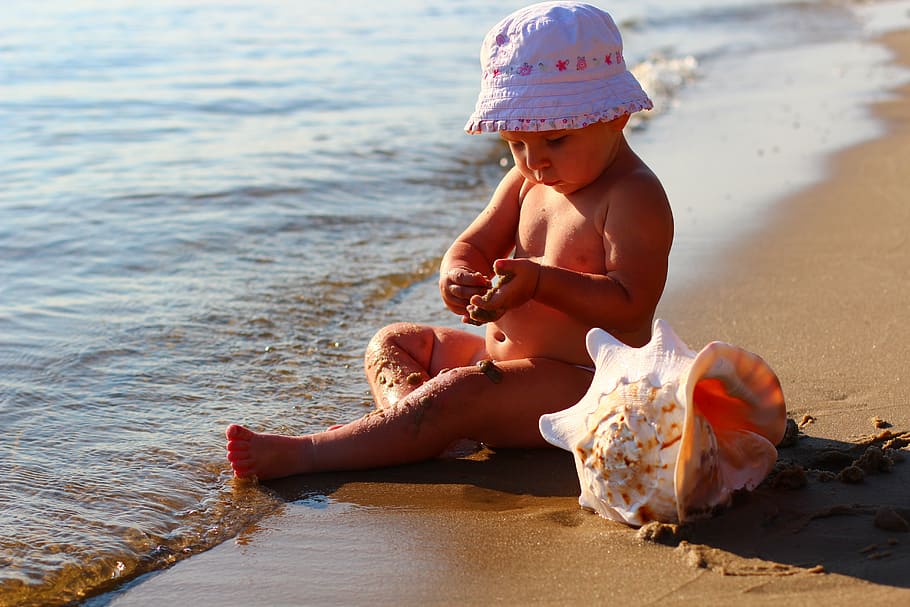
<point x="559" y="186"/>
<point x="562" y="187"/>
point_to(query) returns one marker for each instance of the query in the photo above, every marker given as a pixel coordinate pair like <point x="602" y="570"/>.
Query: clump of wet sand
<point x="874" y="454"/>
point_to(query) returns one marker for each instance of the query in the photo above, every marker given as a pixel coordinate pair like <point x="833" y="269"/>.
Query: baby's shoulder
<point x="636" y="185"/>
<point x="638" y="199"/>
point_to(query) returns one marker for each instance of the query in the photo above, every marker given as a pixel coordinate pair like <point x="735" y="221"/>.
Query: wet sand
<point x="821" y="293"/>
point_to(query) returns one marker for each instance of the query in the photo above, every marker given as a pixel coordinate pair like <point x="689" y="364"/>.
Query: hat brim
<point x="504" y="106"/>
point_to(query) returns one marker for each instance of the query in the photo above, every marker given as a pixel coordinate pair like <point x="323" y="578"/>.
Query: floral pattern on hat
<point x="526" y="68"/>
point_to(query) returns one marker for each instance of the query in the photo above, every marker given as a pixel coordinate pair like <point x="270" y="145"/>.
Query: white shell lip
<point x="661" y="360"/>
<point x="734" y="414"/>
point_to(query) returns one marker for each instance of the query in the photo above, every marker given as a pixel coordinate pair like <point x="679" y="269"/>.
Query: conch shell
<point x="666" y="434"/>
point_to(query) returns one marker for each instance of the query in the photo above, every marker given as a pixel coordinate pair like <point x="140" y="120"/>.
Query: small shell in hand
<point x="484" y="315"/>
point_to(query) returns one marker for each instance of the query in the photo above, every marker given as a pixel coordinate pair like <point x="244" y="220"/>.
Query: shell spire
<point x="666" y="434"/>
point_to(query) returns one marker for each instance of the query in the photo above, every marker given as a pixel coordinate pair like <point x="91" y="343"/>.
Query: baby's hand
<point x="459" y="285"/>
<point x="478" y="313"/>
<point x="517" y="284"/>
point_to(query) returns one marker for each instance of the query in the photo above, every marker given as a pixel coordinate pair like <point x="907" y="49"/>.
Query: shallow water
<point x="208" y="208"/>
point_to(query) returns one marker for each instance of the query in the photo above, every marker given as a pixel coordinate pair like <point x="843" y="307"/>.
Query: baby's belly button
<point x="499" y="336"/>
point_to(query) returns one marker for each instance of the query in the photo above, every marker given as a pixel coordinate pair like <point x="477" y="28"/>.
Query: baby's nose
<point x="536" y="160"/>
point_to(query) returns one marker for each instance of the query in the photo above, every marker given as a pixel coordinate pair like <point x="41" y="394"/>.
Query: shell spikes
<point x="666" y="434"/>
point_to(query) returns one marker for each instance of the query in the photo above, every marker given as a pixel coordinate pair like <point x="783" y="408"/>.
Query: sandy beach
<point x="821" y="293"/>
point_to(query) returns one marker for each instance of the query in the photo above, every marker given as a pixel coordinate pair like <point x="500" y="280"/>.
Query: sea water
<point x="207" y="208"/>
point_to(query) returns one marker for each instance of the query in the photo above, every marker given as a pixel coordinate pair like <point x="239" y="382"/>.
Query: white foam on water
<point x="753" y="127"/>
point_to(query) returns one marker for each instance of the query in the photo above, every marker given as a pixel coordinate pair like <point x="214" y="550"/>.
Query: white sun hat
<point x="551" y="66"/>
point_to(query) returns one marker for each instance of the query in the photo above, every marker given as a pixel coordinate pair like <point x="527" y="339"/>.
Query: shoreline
<point x="827" y="267"/>
<point x="819" y="292"/>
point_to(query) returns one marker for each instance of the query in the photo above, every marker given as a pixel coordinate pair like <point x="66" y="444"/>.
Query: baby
<point x="578" y="232"/>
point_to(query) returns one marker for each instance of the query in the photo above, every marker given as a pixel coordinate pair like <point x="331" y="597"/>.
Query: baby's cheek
<point x="525" y="171"/>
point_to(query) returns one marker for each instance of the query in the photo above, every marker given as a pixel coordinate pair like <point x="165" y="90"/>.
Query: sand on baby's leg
<point x="462" y="403"/>
<point x="399" y="359"/>
<point x="403" y="356"/>
<point x="407" y="431"/>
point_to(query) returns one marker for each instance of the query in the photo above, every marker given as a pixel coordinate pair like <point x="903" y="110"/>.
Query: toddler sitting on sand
<point x="580" y="225"/>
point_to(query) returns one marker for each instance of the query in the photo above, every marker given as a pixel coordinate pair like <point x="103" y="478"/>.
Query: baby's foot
<point x="266" y="456"/>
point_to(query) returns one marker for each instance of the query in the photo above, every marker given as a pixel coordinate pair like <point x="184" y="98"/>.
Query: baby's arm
<point x="637" y="234"/>
<point x="468" y="264"/>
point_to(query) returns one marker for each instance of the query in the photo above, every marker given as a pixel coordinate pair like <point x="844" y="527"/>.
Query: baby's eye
<point x="516" y="145"/>
<point x="556" y="140"/>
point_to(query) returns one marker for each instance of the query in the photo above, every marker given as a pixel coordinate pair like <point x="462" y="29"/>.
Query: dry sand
<point x="822" y="294"/>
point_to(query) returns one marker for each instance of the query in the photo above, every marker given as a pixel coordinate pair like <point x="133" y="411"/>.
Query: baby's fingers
<point x="478" y="315"/>
<point x="463" y="284"/>
<point x="467" y="278"/>
<point x="466" y="319"/>
<point x="464" y="293"/>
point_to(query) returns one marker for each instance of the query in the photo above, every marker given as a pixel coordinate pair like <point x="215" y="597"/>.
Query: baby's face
<point x="566" y="160"/>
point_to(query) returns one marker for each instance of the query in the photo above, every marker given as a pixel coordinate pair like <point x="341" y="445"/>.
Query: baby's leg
<point x="267" y="455"/>
<point x="499" y="409"/>
<point x="399" y="359"/>
<point x="403" y="356"/>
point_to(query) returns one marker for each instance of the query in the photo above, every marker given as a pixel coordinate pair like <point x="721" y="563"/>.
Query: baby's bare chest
<point x="561" y="234"/>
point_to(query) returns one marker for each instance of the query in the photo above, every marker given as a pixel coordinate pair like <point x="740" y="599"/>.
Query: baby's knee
<point x="397" y="329"/>
<point x="405" y="335"/>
